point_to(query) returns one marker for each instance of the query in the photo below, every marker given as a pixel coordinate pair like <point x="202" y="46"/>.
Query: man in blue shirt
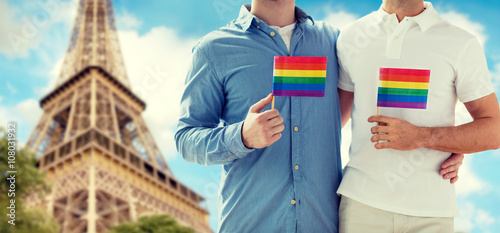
<point x="281" y="168"/>
<point x="289" y="186"/>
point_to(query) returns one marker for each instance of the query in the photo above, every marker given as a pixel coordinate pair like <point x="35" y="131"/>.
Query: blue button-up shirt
<point x="291" y="185"/>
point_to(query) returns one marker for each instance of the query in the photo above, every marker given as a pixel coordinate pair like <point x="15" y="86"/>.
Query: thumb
<point x="257" y="107"/>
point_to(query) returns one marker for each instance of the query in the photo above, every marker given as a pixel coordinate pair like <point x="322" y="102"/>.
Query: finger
<point x="453" y="160"/>
<point x="275" y="138"/>
<point x="379" y="137"/>
<point x="278" y="129"/>
<point x="379" y="129"/>
<point x="450" y="175"/>
<point x="269" y="114"/>
<point x="454" y="180"/>
<point x="453" y="168"/>
<point x="383" y="145"/>
<point x="257" y="107"/>
<point x="380" y="119"/>
<point x="276" y="121"/>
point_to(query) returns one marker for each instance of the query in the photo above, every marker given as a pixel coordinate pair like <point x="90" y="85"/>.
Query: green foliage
<point x="28" y="180"/>
<point x="152" y="224"/>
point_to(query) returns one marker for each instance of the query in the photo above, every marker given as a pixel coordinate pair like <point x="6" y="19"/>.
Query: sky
<point x="156" y="38"/>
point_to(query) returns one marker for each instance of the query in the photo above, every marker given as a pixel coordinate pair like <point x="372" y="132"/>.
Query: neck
<point x="274" y="12"/>
<point x="403" y="8"/>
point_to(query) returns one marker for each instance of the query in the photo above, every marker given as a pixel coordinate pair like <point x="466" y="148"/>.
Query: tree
<point x="28" y="181"/>
<point x="152" y="224"/>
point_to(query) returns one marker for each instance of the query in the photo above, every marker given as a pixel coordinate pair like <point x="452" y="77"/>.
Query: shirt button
<point x="296" y="167"/>
<point x="257" y="21"/>
<point x="396" y="37"/>
<point x="272" y="33"/>
<point x="293" y="202"/>
<point x="295" y="128"/>
<point x="258" y="26"/>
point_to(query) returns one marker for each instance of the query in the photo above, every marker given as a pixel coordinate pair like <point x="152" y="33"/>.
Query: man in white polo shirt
<point x="393" y="186"/>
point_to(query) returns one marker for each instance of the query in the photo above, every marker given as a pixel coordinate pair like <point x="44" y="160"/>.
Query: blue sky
<point x="156" y="38"/>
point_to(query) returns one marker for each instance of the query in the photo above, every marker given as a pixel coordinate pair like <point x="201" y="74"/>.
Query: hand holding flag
<point x="262" y="129"/>
<point x="400" y="88"/>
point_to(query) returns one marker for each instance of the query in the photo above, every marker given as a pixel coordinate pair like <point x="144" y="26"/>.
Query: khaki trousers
<point x="356" y="217"/>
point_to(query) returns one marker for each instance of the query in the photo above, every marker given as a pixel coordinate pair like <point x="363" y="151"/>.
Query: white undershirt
<point x="285" y="33"/>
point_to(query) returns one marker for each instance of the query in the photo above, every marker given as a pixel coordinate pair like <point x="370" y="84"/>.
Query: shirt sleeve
<point x="472" y="76"/>
<point x="199" y="137"/>
<point x="345" y="82"/>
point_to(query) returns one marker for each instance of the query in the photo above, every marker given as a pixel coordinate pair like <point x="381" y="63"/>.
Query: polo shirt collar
<point x="245" y="19"/>
<point x="428" y="17"/>
<point x="425" y="19"/>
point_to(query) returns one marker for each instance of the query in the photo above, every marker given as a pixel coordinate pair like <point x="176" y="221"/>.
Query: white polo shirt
<point x="406" y="182"/>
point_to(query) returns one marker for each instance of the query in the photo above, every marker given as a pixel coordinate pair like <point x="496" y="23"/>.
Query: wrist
<point x="245" y="142"/>
<point x="425" y="137"/>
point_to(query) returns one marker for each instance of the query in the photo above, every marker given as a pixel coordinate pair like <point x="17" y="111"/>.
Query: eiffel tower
<point x="98" y="154"/>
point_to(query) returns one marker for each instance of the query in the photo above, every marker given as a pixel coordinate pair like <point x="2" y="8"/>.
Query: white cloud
<point x="484" y="219"/>
<point x="9" y="28"/>
<point x="465" y="222"/>
<point x="157" y="64"/>
<point x="473" y="219"/>
<point x="470" y="183"/>
<point x="29" y="112"/>
<point x="463" y="21"/>
<point x="22" y="31"/>
<point x="340" y="19"/>
<point x="53" y="76"/>
<point x="127" y="21"/>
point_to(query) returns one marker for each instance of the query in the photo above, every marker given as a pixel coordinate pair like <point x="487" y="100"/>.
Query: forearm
<point x="479" y="135"/>
<point x="210" y="146"/>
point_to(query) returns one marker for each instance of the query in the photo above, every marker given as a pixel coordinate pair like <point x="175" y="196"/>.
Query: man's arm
<point x="483" y="133"/>
<point x="200" y="139"/>
<point x="449" y="169"/>
<point x="345" y="99"/>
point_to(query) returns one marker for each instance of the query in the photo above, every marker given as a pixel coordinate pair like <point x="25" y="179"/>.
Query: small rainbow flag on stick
<point x="299" y="76"/>
<point x="403" y="88"/>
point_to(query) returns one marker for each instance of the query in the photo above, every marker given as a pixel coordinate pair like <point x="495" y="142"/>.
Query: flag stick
<point x="272" y="103"/>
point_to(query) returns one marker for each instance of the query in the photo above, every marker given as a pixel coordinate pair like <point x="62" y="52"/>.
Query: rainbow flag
<point x="403" y="88"/>
<point x="299" y="76"/>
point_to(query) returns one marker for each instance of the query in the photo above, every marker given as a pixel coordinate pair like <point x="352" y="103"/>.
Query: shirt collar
<point x="425" y="19"/>
<point x="245" y="19"/>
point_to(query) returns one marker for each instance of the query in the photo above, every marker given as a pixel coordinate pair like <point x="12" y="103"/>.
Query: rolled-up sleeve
<point x="199" y="137"/>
